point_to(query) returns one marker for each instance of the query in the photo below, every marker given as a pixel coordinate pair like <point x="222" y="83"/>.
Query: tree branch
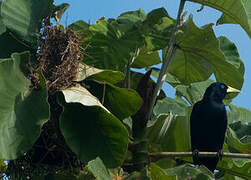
<point x="167" y="59"/>
<point x="157" y="156"/>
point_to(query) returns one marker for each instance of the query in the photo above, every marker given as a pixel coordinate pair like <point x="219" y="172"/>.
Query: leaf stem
<point x="167" y="59"/>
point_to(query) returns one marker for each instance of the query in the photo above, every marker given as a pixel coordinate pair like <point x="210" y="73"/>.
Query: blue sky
<point x="90" y="11"/>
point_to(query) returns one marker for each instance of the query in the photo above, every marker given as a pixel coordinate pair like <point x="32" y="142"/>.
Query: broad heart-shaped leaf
<point x="24" y="17"/>
<point x="237" y="167"/>
<point x="98" y="169"/>
<point x="238" y="114"/>
<point x="121" y="102"/>
<point x="157" y="173"/>
<point x="90" y="130"/>
<point x="194" y="92"/>
<point x="146" y="58"/>
<point x="85" y="71"/>
<point x="233" y="12"/>
<point x="128" y="19"/>
<point x="189" y="67"/>
<point x="188" y="172"/>
<point x="231" y="53"/>
<point x="169" y="133"/>
<point x="201" y="43"/>
<point x="80" y="27"/>
<point x="112" y="43"/>
<point x="170" y="105"/>
<point x="157" y="29"/>
<point x="111" y="46"/>
<point x="233" y="141"/>
<point x="22" y="111"/>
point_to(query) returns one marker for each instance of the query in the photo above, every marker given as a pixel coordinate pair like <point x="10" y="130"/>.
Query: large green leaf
<point x="233" y="141"/>
<point x="193" y="92"/>
<point x="157" y="29"/>
<point x="243" y="131"/>
<point x="146" y="58"/>
<point x="157" y="173"/>
<point x="233" y="11"/>
<point x="189" y="67"/>
<point x="129" y="19"/>
<point x="231" y="53"/>
<point x="170" y="105"/>
<point x="202" y="45"/>
<point x="237" y="167"/>
<point x="90" y="130"/>
<point x="89" y="72"/>
<point x="238" y="114"/>
<point x="188" y="172"/>
<point x="170" y="133"/>
<point x="98" y="169"/>
<point x="80" y="27"/>
<point x="22" y="110"/>
<point x="111" y="45"/>
<point x="121" y="102"/>
<point x="24" y="17"/>
<point x="228" y="176"/>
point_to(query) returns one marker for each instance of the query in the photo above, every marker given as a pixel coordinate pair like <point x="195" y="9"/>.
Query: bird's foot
<point x="220" y="154"/>
<point x="196" y="154"/>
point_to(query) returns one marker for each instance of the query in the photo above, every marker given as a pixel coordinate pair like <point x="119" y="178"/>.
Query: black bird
<point x="208" y="124"/>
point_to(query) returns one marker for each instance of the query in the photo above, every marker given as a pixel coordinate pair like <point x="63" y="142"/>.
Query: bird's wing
<point x="195" y="122"/>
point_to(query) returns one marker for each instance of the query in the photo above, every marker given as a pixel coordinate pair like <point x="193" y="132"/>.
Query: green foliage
<point x="23" y="110"/>
<point x="170" y="133"/>
<point x="95" y="105"/>
<point x="107" y="93"/>
<point x="234" y="12"/>
<point x="92" y="124"/>
<point x="26" y="21"/>
<point x="187" y="171"/>
<point x="99" y="170"/>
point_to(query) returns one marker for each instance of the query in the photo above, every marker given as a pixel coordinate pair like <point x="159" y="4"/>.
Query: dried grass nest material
<point x="59" y="58"/>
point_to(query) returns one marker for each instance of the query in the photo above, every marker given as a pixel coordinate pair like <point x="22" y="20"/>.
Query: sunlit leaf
<point x="202" y="45"/>
<point x="234" y="12"/>
<point x="85" y="71"/>
<point x="90" y="130"/>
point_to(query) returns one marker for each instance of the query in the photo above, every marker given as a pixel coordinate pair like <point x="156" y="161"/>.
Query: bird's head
<point x="217" y="91"/>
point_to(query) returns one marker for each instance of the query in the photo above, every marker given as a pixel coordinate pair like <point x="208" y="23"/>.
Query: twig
<point x="167" y="59"/>
<point x="156" y="156"/>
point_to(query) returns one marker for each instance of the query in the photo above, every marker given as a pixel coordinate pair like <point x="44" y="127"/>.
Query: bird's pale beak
<point x="230" y="89"/>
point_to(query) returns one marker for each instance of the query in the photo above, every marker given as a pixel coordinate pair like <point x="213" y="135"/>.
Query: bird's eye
<point x="222" y="86"/>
